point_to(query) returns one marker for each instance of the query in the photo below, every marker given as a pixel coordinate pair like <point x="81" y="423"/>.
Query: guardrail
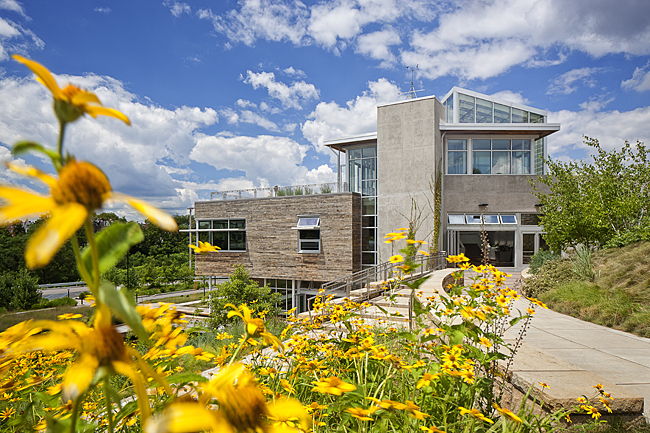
<point x="279" y="191"/>
<point x="383" y="272"/>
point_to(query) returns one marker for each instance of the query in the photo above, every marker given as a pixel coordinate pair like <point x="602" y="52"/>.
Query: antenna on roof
<point x="411" y="93"/>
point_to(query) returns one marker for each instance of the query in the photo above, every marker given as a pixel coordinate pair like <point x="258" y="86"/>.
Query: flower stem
<point x="109" y="406"/>
<point x="80" y="265"/>
<point x="93" y="248"/>
<point x="61" y="133"/>
<point x="234" y="355"/>
<point x="75" y="413"/>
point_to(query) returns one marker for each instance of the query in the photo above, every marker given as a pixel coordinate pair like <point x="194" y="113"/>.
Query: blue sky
<point x="238" y="94"/>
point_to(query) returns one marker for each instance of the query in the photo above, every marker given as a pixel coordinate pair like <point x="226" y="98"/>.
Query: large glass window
<point x="362" y="163"/>
<point x="456" y="156"/>
<point x="466" y="109"/>
<point x="490" y="156"/>
<point x="227" y="234"/>
<point x="308" y="234"/>
<point x="483" y="111"/>
<point x="501" y="113"/>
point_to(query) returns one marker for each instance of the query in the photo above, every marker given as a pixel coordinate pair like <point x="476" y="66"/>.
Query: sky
<point x="241" y="94"/>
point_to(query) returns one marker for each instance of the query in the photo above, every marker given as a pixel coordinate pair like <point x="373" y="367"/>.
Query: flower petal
<point x="103" y="111"/>
<point x="43" y="74"/>
<point x="188" y="418"/>
<point x="47" y="240"/>
<point x="83" y="97"/>
<point x="23" y="204"/>
<point x="33" y="172"/>
<point x="139" y="383"/>
<point x="160" y="218"/>
<point x="79" y="375"/>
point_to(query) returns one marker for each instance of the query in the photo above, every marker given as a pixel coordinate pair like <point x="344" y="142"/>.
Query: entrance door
<point x="532" y="243"/>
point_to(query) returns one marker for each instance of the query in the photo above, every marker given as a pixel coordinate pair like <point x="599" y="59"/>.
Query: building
<point x="484" y="150"/>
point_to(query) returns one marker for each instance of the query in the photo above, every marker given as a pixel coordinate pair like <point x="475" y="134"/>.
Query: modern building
<point x="485" y="152"/>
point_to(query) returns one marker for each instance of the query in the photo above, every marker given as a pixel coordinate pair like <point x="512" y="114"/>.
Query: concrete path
<point x="588" y="349"/>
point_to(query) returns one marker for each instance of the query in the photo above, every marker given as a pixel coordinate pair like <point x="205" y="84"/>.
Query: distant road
<point x="62" y="292"/>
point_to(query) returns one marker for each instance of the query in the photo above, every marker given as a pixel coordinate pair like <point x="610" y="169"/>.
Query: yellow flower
<point x="361" y="413"/>
<point x="71" y="102"/>
<point x="333" y="385"/>
<point x="68" y="316"/>
<point x="9" y="412"/>
<point x="543" y="385"/>
<point x="397" y="258"/>
<point x="432" y="429"/>
<point x="475" y="413"/>
<point x="457" y="258"/>
<point x="80" y="189"/>
<point x="507" y="413"/>
<point x="254" y="326"/>
<point x="426" y="380"/>
<point x="99" y="348"/>
<point x="204" y="247"/>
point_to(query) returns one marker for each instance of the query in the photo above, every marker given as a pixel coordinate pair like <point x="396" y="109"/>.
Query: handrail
<point x="383" y="272"/>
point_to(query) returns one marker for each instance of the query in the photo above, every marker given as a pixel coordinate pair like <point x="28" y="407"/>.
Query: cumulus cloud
<point x="103" y="10"/>
<point x="568" y="142"/>
<point x="640" y="80"/>
<point x="508" y="95"/>
<point x="504" y="33"/>
<point x="568" y="82"/>
<point x="248" y="116"/>
<point x="330" y="120"/>
<point x="133" y="157"/>
<point x="294" y="72"/>
<point x="290" y="96"/>
<point x="265" y="159"/>
<point x="377" y="45"/>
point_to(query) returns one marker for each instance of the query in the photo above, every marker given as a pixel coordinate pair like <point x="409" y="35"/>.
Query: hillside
<point x="619" y="297"/>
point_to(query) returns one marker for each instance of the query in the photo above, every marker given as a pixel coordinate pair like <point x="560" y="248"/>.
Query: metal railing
<point x="280" y="191"/>
<point x="384" y="272"/>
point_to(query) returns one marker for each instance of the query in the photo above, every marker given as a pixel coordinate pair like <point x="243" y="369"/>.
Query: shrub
<point x="240" y="289"/>
<point x="60" y="302"/>
<point x="18" y="290"/>
<point x="540" y="258"/>
<point x="632" y="236"/>
<point x="549" y="276"/>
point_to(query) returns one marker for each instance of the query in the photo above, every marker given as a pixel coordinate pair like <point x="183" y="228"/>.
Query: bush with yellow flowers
<point x="437" y="375"/>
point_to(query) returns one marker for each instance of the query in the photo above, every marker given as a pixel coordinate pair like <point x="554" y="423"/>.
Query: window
<point x="490" y="156"/>
<point x="227" y="234"/>
<point x="466" y="109"/>
<point x="308" y="234"/>
<point x="508" y="219"/>
<point x="473" y="219"/>
<point x="457" y="156"/>
<point x="462" y="219"/>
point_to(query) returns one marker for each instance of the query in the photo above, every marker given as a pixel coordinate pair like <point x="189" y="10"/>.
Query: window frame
<point x="308" y="228"/>
<point x="228" y="230"/>
<point x="521" y="154"/>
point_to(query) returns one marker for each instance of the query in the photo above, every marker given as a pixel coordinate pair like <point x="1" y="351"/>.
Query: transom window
<point x="227" y="234"/>
<point x="308" y="234"/>
<point x="462" y="219"/>
<point x="489" y="156"/>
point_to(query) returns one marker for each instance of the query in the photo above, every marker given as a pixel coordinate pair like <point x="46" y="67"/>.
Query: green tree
<point x="240" y="289"/>
<point x="589" y="204"/>
<point x="18" y="290"/>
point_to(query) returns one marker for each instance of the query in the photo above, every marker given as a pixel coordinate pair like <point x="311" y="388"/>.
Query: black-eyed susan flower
<point x="71" y="102"/>
<point x="254" y="326"/>
<point x="475" y="413"/>
<point x="204" y="247"/>
<point x="362" y="414"/>
<point x="333" y="385"/>
<point x="80" y="189"/>
<point x="459" y="258"/>
<point x="507" y="413"/>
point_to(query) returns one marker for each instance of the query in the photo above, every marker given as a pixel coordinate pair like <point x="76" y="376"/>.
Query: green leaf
<point x="514" y="321"/>
<point x="417" y="307"/>
<point x="112" y="244"/>
<point x="409" y="336"/>
<point x="185" y="377"/>
<point x="31" y="146"/>
<point x="122" y="304"/>
<point x="456" y="337"/>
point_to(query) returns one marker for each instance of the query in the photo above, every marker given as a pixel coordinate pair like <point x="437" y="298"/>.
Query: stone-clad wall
<point x="271" y="245"/>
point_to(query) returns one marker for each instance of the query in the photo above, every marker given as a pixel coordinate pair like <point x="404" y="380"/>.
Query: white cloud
<point x="294" y="72"/>
<point x="290" y="96"/>
<point x="266" y="19"/>
<point x="611" y="128"/>
<point x="264" y="159"/>
<point x="330" y="120"/>
<point x="477" y="39"/>
<point x="508" y="95"/>
<point x="177" y="9"/>
<point x="247" y="116"/>
<point x="12" y="5"/>
<point x="377" y="45"/>
<point x="568" y="82"/>
<point x="16" y="39"/>
<point x="640" y="80"/>
<point x="103" y="10"/>
<point x="133" y="157"/>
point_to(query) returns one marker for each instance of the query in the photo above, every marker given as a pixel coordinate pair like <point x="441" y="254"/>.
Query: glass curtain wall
<point x="362" y="177"/>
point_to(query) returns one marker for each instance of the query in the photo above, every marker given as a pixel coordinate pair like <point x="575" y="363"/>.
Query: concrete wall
<point x="408" y="149"/>
<point x="271" y="245"/>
